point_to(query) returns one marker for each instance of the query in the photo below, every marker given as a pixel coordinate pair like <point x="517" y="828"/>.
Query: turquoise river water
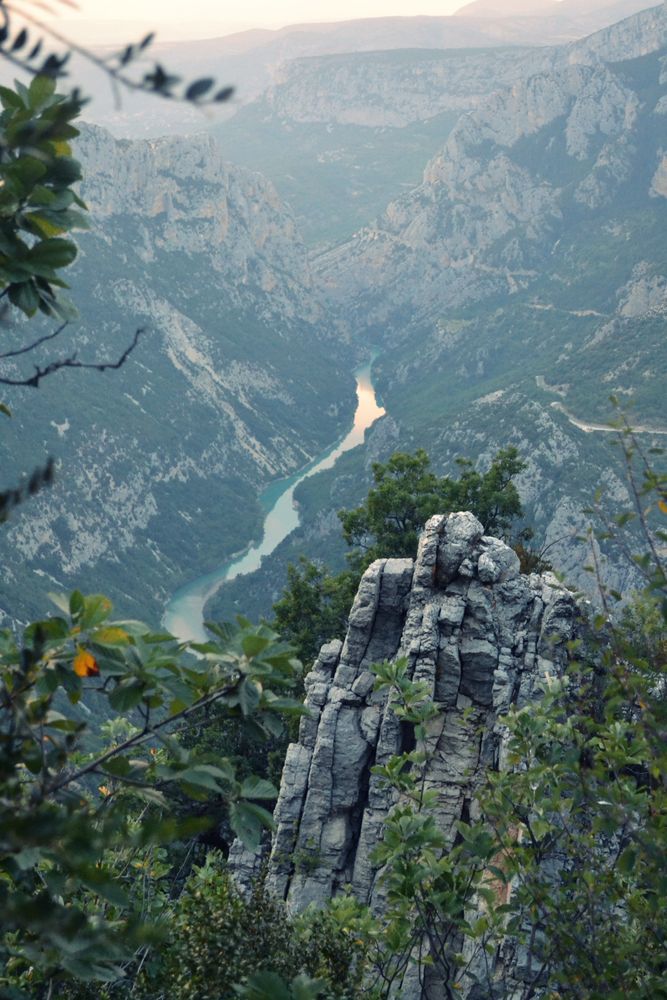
<point x="184" y="614"/>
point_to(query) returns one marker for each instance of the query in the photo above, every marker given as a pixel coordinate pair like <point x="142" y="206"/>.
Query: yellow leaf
<point x="111" y="636"/>
<point x="662" y="504"/>
<point x="85" y="664"/>
<point x="46" y="226"/>
<point x="61" y="147"/>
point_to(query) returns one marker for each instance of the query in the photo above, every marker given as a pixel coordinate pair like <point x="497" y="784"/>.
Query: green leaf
<point x="104" y="885"/>
<point x="52" y="253"/>
<point x="19" y="41"/>
<point x="252" y="645"/>
<point x="199" y="88"/>
<point x="97" y="609"/>
<point x="248" y="696"/>
<point x="25" y="297"/>
<point x="248" y="820"/>
<point x="209" y="775"/>
<point x="628" y="861"/>
<point x="58" y="721"/>
<point x="41" y="90"/>
<point x="5" y="409"/>
<point x="76" y="604"/>
<point x="65" y="171"/>
<point x="118" y="767"/>
<point x="224" y="95"/>
<point x="258" y="788"/>
<point x="110" y="636"/>
<point x="126" y="695"/>
<point x="9" y="99"/>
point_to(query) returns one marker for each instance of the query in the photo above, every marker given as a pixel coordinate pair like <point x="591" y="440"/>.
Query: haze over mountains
<point x="251" y="59"/>
<point x="515" y="288"/>
<point x="491" y="221"/>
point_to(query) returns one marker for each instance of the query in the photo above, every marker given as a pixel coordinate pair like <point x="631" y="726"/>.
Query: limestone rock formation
<point x="388" y="89"/>
<point x="484" y="637"/>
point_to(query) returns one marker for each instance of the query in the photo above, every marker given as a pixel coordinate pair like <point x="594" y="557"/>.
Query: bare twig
<point x="72" y="362"/>
<point x="139" y="738"/>
<point x="31" y="347"/>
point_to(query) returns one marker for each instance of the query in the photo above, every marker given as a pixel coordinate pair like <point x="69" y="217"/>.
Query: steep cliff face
<point x="509" y="182"/>
<point x="342" y="135"/>
<point x="483" y="637"/>
<point x="519" y="285"/>
<point x="393" y="89"/>
<point x="232" y="384"/>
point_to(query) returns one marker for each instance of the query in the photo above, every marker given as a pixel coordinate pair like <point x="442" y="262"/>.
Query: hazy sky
<point x="264" y="12"/>
<point x="218" y="15"/>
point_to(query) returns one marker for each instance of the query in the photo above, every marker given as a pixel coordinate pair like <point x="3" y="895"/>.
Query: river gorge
<point x="184" y="614"/>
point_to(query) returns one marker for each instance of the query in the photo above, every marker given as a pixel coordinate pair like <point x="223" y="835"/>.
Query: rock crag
<point x="484" y="637"/>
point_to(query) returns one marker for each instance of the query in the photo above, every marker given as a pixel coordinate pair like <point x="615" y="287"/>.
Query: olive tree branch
<point x="72" y="362"/>
<point x="156" y="82"/>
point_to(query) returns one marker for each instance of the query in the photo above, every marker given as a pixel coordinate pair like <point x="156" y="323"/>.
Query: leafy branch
<point x="26" y="52"/>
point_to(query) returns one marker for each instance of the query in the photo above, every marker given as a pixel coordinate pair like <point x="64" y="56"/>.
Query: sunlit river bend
<point x="184" y="614"/>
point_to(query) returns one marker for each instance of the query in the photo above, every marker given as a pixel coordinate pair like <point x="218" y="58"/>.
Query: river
<point x="184" y="614"/>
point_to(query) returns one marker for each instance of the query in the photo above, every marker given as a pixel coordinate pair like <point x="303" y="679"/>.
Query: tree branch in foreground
<point x="69" y="362"/>
<point x="39" y="480"/>
<point x="158" y="81"/>
<point x="31" y="347"/>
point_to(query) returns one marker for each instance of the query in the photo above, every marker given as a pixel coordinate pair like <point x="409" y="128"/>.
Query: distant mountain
<point x="233" y="384"/>
<point x="342" y="135"/>
<point x="509" y="8"/>
<point x="511" y="293"/>
<point x="554" y="8"/>
<point x="250" y="60"/>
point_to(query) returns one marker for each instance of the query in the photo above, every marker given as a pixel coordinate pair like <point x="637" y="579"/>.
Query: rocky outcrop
<point x="483" y="636"/>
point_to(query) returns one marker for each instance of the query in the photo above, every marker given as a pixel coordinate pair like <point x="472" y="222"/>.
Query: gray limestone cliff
<point x="391" y="88"/>
<point x="519" y="285"/>
<point x="234" y="382"/>
<point x="481" y="634"/>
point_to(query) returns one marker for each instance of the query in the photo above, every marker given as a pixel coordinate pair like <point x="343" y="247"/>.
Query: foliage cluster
<point x="80" y="820"/>
<point x="407" y="492"/>
<point x="218" y="942"/>
<point x="38" y="204"/>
